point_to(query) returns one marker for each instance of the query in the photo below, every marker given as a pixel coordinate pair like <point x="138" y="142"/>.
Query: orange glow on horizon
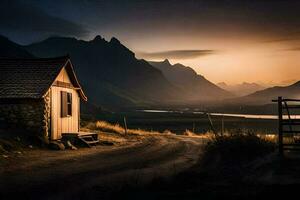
<point x="236" y="60"/>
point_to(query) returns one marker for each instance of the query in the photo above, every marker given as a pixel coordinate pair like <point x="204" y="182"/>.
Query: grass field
<point x="180" y="122"/>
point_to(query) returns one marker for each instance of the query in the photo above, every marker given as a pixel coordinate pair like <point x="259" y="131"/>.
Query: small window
<point x="66" y="104"/>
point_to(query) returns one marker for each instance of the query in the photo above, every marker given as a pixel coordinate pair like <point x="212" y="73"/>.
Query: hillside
<point x="265" y="96"/>
<point x="241" y="89"/>
<point x="109" y="72"/>
<point x="196" y="86"/>
<point x="9" y="49"/>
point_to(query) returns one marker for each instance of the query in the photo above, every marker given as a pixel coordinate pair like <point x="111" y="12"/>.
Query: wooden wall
<point x="68" y="124"/>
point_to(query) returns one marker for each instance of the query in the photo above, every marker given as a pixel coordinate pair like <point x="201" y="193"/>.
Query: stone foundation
<point x="33" y="115"/>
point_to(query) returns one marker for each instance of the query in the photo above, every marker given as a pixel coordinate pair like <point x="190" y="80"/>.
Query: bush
<point x="238" y="148"/>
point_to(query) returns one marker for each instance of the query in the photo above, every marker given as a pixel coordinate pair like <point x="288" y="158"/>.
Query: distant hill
<point x="195" y="86"/>
<point x="9" y="49"/>
<point x="109" y="72"/>
<point x="241" y="89"/>
<point x="265" y="96"/>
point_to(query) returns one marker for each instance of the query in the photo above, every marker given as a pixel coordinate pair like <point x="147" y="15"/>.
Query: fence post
<point x="212" y="125"/>
<point x="193" y="127"/>
<point x="280" y="134"/>
<point x="222" y="131"/>
<point x="125" y="125"/>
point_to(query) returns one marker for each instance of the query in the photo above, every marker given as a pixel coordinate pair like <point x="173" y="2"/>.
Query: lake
<point x="248" y="116"/>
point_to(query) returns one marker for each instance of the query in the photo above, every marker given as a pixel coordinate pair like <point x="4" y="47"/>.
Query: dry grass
<point x="116" y="128"/>
<point x="287" y="139"/>
<point x="208" y="135"/>
<point x="107" y="127"/>
<point x="189" y="133"/>
<point x="268" y="137"/>
<point x="104" y="126"/>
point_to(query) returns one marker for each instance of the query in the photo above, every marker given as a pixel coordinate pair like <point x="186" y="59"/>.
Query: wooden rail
<point x="282" y="100"/>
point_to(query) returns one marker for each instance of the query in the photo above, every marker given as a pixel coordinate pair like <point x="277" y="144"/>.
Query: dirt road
<point x="100" y="171"/>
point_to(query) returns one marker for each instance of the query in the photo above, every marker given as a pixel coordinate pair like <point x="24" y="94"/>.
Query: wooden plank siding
<point x="61" y="124"/>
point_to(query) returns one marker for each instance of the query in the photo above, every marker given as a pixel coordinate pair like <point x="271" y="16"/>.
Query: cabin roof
<point x="31" y="78"/>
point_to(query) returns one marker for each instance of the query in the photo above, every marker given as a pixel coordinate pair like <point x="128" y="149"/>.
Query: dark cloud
<point x="176" y="54"/>
<point x="255" y="19"/>
<point x="285" y="38"/>
<point x="18" y="18"/>
<point x="293" y="49"/>
<point x="262" y="20"/>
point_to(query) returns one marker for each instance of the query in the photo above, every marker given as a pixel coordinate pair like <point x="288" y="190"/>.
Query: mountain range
<point x="241" y="89"/>
<point x="265" y="96"/>
<point x="195" y="86"/>
<point x="112" y="76"/>
<point x="12" y="50"/>
<point x="109" y="72"/>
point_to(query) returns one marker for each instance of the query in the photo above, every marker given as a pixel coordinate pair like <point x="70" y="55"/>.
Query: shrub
<point x="238" y="148"/>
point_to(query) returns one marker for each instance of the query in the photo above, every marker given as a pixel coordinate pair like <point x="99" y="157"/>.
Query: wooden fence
<point x="288" y="127"/>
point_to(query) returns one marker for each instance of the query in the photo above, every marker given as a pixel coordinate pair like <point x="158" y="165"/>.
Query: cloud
<point x="21" y="17"/>
<point x="287" y="37"/>
<point x="294" y="49"/>
<point x="290" y="49"/>
<point x="175" y="54"/>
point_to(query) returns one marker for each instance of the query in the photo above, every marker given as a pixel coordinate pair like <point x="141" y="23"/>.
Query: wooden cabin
<point x="41" y="95"/>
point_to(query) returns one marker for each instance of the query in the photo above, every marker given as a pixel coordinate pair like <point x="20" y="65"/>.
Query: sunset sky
<point x="230" y="41"/>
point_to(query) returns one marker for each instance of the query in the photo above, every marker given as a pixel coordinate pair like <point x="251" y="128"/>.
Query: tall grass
<point x="108" y="127"/>
<point x="243" y="135"/>
<point x="117" y="128"/>
<point x="105" y="126"/>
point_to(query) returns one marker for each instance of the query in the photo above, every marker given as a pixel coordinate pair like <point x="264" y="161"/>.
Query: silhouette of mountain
<point x="109" y="72"/>
<point x="265" y="96"/>
<point x="241" y="89"/>
<point x="195" y="86"/>
<point x="112" y="76"/>
<point x="9" y="49"/>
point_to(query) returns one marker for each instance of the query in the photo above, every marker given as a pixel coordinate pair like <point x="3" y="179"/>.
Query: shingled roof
<point x="31" y="78"/>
